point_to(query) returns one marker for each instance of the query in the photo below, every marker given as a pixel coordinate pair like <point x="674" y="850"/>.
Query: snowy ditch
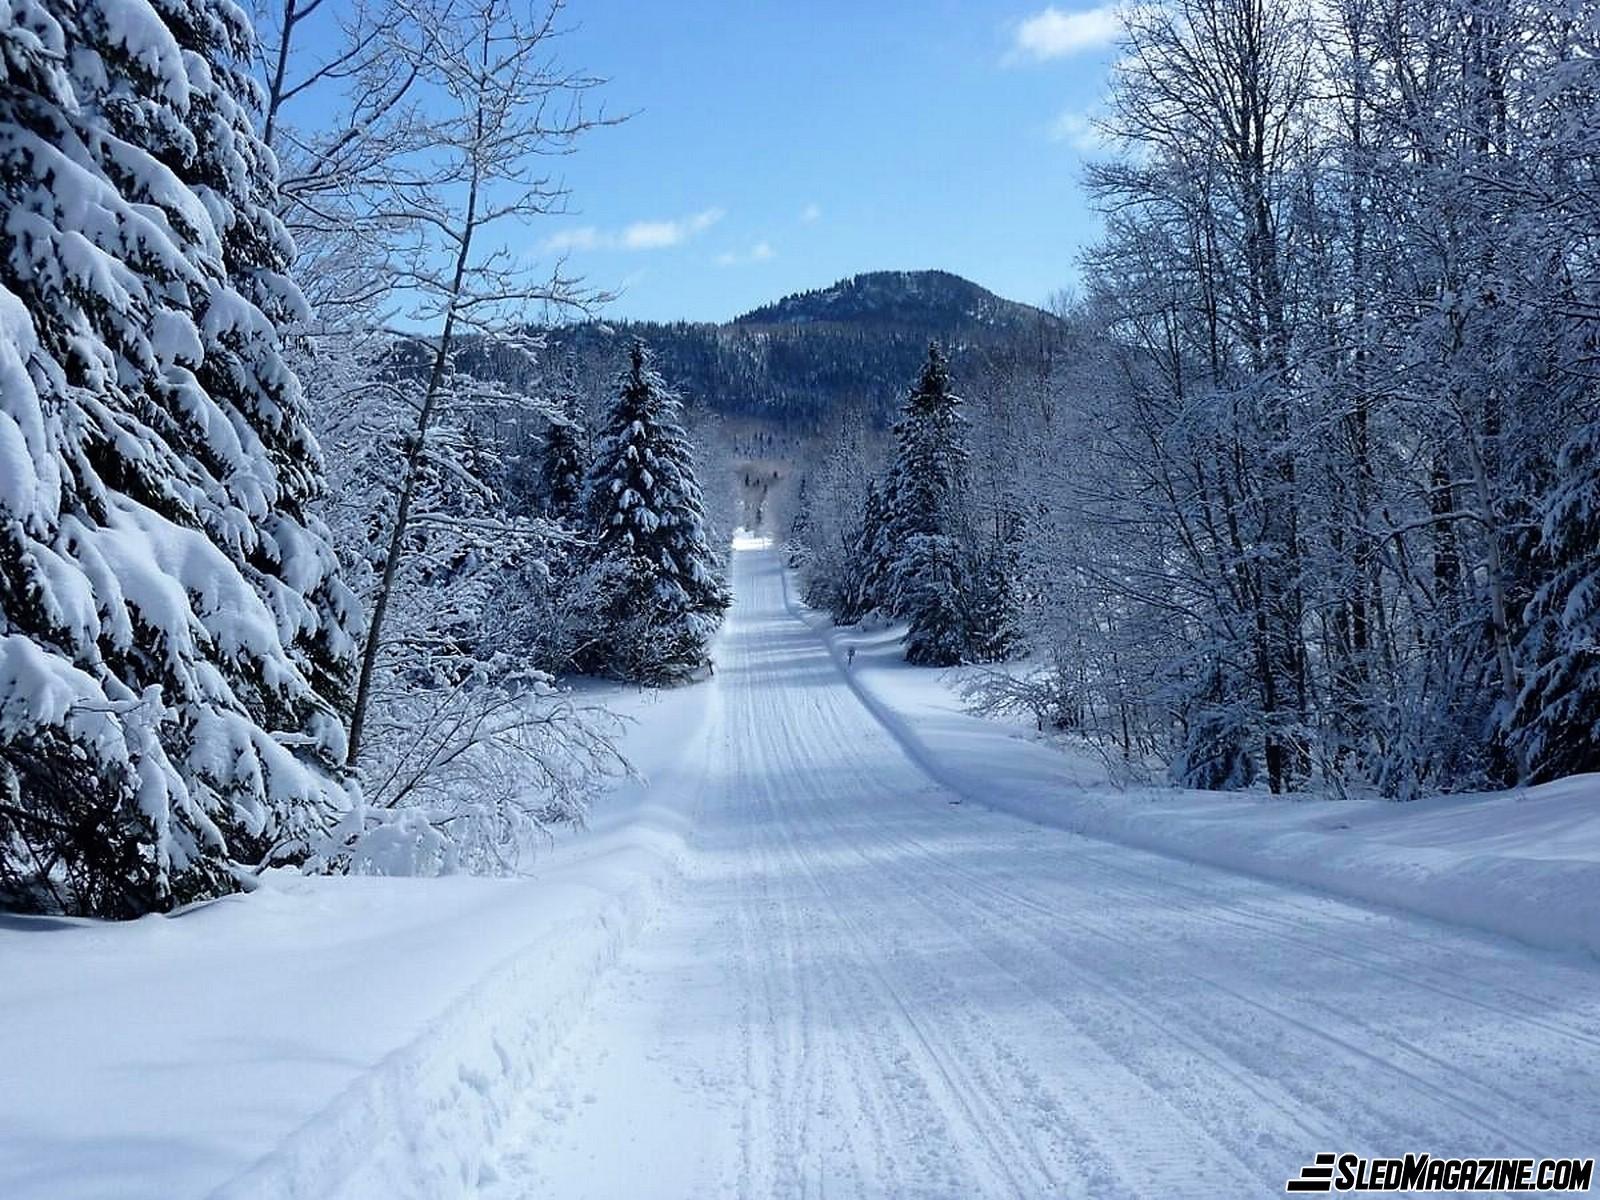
<point x="327" y="1037"/>
<point x="426" y="1119"/>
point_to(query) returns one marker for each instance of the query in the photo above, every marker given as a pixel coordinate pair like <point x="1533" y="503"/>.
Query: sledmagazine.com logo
<point x="1425" y="1173"/>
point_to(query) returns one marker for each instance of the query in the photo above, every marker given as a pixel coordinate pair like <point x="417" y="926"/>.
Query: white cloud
<point x="810" y="214"/>
<point x="585" y="237"/>
<point x="655" y="235"/>
<point x="651" y="235"/>
<point x="760" y="252"/>
<point x="641" y="235"/>
<point x="1078" y="130"/>
<point x="1053" y="33"/>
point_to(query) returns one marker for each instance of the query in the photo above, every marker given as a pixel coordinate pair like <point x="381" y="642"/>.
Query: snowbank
<point x="324" y="1037"/>
<point x="1522" y="864"/>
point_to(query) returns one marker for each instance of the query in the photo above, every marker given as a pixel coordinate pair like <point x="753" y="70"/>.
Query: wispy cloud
<point x="640" y="235"/>
<point x="585" y="237"/>
<point x="1078" y="130"/>
<point x="1055" y="33"/>
<point x="811" y="214"/>
<point x="654" y="235"/>
<point x="760" y="252"/>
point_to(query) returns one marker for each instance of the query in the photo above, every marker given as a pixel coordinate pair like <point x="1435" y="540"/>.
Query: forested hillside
<point x="806" y="357"/>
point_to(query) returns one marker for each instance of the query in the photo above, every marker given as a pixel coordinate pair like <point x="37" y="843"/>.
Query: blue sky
<point x="781" y="146"/>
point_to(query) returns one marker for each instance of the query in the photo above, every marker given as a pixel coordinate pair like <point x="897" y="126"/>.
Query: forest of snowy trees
<point x="1306" y="491"/>
<point x="306" y="509"/>
<point x="279" y="561"/>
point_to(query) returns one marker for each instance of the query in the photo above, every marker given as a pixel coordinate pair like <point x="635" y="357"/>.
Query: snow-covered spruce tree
<point x="940" y="634"/>
<point x="664" y="596"/>
<point x="562" y="457"/>
<point x="826" y="540"/>
<point x="173" y="635"/>
<point x="553" y="619"/>
<point x="1556" y="720"/>
<point x="930" y="580"/>
<point x="994" y="613"/>
<point x="874" y="548"/>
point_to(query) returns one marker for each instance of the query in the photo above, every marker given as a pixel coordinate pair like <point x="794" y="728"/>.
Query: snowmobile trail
<point x="866" y="990"/>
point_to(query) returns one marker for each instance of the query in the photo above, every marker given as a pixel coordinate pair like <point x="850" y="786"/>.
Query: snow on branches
<point x="176" y="639"/>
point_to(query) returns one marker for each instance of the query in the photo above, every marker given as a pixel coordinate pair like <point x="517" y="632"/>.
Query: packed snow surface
<point x="811" y="958"/>
<point x="1523" y="863"/>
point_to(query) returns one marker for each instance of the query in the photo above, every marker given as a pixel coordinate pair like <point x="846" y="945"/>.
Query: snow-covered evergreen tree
<point x="561" y="464"/>
<point x="994" y="611"/>
<point x="929" y="578"/>
<point x="875" y="547"/>
<point x="664" y="593"/>
<point x="935" y="594"/>
<point x="174" y="641"/>
<point x="1556" y="721"/>
<point x="837" y="495"/>
<point x="931" y="456"/>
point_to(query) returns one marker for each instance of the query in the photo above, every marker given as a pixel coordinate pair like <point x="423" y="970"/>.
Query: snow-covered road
<point x="866" y="988"/>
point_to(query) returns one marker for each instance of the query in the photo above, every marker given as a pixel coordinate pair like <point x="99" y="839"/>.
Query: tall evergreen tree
<point x="929" y="580"/>
<point x="931" y="455"/>
<point x="562" y="464"/>
<point x="174" y="639"/>
<point x="876" y="547"/>
<point x="936" y="593"/>
<point x="994" y="611"/>
<point x="665" y="595"/>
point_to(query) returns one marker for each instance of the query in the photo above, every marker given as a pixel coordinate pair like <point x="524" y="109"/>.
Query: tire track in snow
<point x="781" y="759"/>
<point x="1491" y="1120"/>
<point x="1168" y="1024"/>
<point x="813" y="743"/>
<point x="1356" y="1032"/>
<point x="1167" y="1155"/>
